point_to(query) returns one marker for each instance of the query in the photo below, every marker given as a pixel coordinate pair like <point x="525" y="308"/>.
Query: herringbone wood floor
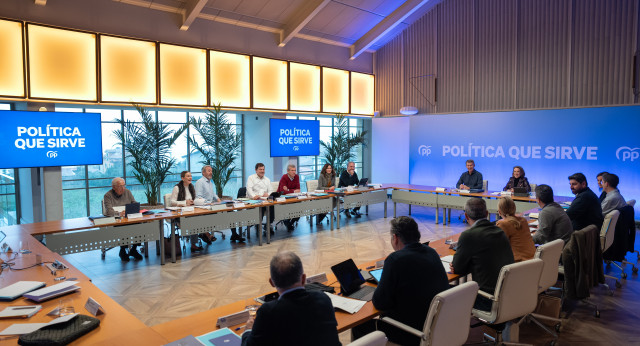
<point x="226" y="272"/>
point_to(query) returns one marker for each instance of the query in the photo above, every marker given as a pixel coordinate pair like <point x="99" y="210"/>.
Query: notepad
<point x="346" y="304"/>
<point x="23" y="311"/>
<point x="446" y="263"/>
<point x="24" y="328"/>
<point x="52" y="291"/>
<point x="14" y="291"/>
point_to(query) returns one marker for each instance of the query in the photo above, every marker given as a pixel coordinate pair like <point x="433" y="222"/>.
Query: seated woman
<point x="326" y="181"/>
<point x="183" y="195"/>
<point x="517" y="180"/>
<point x="517" y="230"/>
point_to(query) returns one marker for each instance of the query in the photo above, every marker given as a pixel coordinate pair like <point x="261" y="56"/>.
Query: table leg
<point x="173" y="242"/>
<point x="449" y="215"/>
<point x="333" y="207"/>
<point x="338" y="209"/>
<point x="409" y="209"/>
<point x="394" y="209"/>
<point x="385" y="209"/>
<point x="259" y="225"/>
<point x="366" y="209"/>
<point x="161" y="242"/>
<point x="146" y="249"/>
<point x="268" y="230"/>
<point x="437" y="213"/>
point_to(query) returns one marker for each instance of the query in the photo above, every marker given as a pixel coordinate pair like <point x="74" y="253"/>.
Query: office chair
<point x="550" y="254"/>
<point x="590" y="259"/>
<point x="242" y="193"/>
<point x="607" y="234"/>
<point x="376" y="338"/>
<point x="515" y="296"/>
<point x="632" y="203"/>
<point x="485" y="185"/>
<point x="623" y="240"/>
<point x="448" y="319"/>
<point x="312" y="185"/>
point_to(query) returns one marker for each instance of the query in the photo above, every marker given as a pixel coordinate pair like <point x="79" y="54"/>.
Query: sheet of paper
<point x="446" y="261"/>
<point x="118" y="209"/>
<point x="24" y="328"/>
<point x="346" y="304"/>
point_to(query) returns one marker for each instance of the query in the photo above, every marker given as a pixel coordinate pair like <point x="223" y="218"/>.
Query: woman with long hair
<point x="326" y="181"/>
<point x="183" y="195"/>
<point x="517" y="179"/>
<point x="517" y="230"/>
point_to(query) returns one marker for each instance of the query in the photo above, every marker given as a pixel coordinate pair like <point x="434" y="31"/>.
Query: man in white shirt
<point x="613" y="199"/>
<point x="260" y="186"/>
<point x="205" y="195"/>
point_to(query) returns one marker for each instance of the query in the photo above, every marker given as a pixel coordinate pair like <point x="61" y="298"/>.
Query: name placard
<point x="94" y="307"/>
<point x="187" y="209"/>
<point x="104" y="221"/>
<point x="134" y="216"/>
<point x="440" y="189"/>
<point x="233" y="319"/>
<point x="319" y="278"/>
<point x="238" y="205"/>
<point x="281" y="199"/>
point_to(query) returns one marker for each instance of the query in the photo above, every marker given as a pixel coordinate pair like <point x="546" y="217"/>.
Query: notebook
<point x="52" y="291"/>
<point x="14" y="291"/>
<point x="351" y="281"/>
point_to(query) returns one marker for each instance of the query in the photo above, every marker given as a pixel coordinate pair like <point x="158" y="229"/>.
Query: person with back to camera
<point x="326" y="181"/>
<point x="517" y="230"/>
<point x="517" y="180"/>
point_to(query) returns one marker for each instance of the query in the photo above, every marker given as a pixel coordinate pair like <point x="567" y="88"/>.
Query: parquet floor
<point x="226" y="272"/>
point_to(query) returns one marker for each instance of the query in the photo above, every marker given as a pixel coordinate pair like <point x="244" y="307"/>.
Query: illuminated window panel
<point x="304" y="83"/>
<point x="128" y="70"/>
<point x="335" y="90"/>
<point x="362" y="95"/>
<point x="11" y="66"/>
<point x="183" y="75"/>
<point x="230" y="79"/>
<point x="62" y="64"/>
<point x="269" y="83"/>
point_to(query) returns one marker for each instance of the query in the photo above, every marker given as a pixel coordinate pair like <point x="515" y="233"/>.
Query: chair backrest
<point x="631" y="202"/>
<point x="274" y="185"/>
<point x="167" y="200"/>
<point x="242" y="192"/>
<point x="485" y="185"/>
<point x="312" y="185"/>
<point x="533" y="187"/>
<point x="104" y="211"/>
<point x="376" y="338"/>
<point x="550" y="254"/>
<point x="449" y="314"/>
<point x="516" y="293"/>
<point x="607" y="232"/>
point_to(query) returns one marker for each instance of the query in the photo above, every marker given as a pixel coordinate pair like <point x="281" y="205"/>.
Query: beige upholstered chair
<point x="550" y="254"/>
<point x="607" y="233"/>
<point x="274" y="185"/>
<point x="485" y="185"/>
<point x="515" y="296"/>
<point x="167" y="200"/>
<point x="449" y="315"/>
<point x="376" y="338"/>
<point x="631" y="202"/>
<point x="312" y="185"/>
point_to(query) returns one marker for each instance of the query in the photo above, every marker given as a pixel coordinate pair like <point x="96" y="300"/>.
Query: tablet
<point x="377" y="274"/>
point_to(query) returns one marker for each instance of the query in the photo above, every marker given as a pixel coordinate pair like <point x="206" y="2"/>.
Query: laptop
<point x="351" y="281"/>
<point x="363" y="182"/>
<point x="132" y="208"/>
<point x="520" y="192"/>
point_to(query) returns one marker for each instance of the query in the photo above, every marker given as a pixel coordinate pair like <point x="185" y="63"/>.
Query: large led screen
<point x="294" y="137"/>
<point x="42" y="139"/>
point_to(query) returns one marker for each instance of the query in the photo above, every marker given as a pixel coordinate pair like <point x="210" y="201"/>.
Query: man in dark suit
<point x="349" y="177"/>
<point x="483" y="250"/>
<point x="298" y="316"/>
<point x="412" y="276"/>
<point x="585" y="209"/>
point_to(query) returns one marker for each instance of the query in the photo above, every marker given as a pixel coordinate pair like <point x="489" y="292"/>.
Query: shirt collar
<point x="291" y="290"/>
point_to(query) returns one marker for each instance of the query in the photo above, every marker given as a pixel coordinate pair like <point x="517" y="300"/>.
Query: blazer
<point x="299" y="317"/>
<point x="523" y="182"/>
<point x="553" y="223"/>
<point x="582" y="259"/>
<point x="520" y="239"/>
<point x="411" y="278"/>
<point x="585" y="210"/>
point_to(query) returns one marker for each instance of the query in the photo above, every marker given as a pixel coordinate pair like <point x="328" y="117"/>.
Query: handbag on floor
<point x="60" y="333"/>
<point x="167" y="247"/>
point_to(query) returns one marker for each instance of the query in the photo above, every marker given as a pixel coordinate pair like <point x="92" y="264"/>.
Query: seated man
<point x="260" y="186"/>
<point x="603" y="194"/>
<point x="585" y="209"/>
<point x="349" y="177"/>
<point x="298" y="316"/>
<point x="553" y="221"/>
<point x="483" y="250"/>
<point x="471" y="179"/>
<point x="120" y="196"/>
<point x="206" y="195"/>
<point x="412" y="276"/>
<point x="289" y="183"/>
<point x="613" y="200"/>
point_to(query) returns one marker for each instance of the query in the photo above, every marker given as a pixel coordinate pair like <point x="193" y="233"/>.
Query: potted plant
<point x="148" y="143"/>
<point x="219" y="146"/>
<point x="338" y="151"/>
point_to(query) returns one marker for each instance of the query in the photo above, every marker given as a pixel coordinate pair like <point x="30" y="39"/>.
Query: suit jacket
<point x="523" y="182"/>
<point x="299" y="317"/>
<point x="582" y="259"/>
<point x="411" y="278"/>
<point x="482" y="251"/>
<point x="585" y="210"/>
<point x="348" y="180"/>
<point x="553" y="223"/>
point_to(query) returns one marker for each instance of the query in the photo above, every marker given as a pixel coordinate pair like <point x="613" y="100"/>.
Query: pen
<point x="370" y="267"/>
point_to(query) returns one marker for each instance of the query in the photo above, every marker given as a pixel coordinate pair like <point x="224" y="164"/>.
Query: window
<point x="8" y="206"/>
<point x="83" y="187"/>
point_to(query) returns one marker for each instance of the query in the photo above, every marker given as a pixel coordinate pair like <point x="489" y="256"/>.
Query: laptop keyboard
<point x="364" y="293"/>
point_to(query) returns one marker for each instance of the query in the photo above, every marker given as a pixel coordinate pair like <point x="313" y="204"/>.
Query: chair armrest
<point x="403" y="326"/>
<point x="487" y="295"/>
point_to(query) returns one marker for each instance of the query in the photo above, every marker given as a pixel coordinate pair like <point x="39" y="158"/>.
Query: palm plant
<point x="220" y="145"/>
<point x="339" y="149"/>
<point x="148" y="143"/>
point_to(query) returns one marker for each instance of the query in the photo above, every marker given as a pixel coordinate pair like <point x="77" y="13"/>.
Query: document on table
<point x="446" y="261"/>
<point x="24" y="328"/>
<point x="346" y="304"/>
<point x="19" y="288"/>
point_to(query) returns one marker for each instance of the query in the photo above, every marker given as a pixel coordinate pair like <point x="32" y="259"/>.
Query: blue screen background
<point x="292" y="145"/>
